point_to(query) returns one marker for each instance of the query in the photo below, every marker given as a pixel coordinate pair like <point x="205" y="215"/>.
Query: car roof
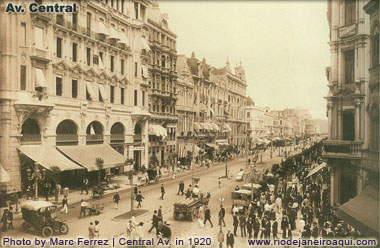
<point x="243" y="191"/>
<point x="35" y="205"/>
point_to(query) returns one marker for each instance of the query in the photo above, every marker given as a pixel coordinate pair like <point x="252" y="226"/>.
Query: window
<point x="59" y="20"/>
<point x="75" y="21"/>
<point x="75" y="48"/>
<point x="88" y="97"/>
<point x="23" y="34"/>
<point x="74" y="88"/>
<point x="122" y="6"/>
<point x="88" y="55"/>
<point x="122" y="66"/>
<point x="375" y="47"/>
<point x="136" y="11"/>
<point x="112" y="94"/>
<point x="122" y="96"/>
<point x="143" y="98"/>
<point x="112" y="63"/>
<point x="349" y="67"/>
<point x="59" y="47"/>
<point x="135" y="97"/>
<point x="248" y="114"/>
<point x="88" y="21"/>
<point x="100" y="96"/>
<point x="101" y="55"/>
<point x="23" y="77"/>
<point x="135" y="69"/>
<point x="349" y="12"/>
<point x="95" y="59"/>
<point x="58" y="86"/>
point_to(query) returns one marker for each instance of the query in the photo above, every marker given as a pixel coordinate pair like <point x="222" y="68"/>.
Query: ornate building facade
<point x="76" y="83"/>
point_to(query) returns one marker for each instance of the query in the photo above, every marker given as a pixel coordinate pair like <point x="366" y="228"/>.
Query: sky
<point x="281" y="44"/>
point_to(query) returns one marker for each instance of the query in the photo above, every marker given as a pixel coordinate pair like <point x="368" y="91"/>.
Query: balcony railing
<point x="137" y="138"/>
<point x="67" y="137"/>
<point x="117" y="136"/>
<point x="342" y="148"/>
<point x="31" y="138"/>
<point x="95" y="137"/>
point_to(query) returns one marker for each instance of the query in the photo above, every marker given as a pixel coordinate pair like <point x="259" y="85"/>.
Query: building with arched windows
<point x="77" y="83"/>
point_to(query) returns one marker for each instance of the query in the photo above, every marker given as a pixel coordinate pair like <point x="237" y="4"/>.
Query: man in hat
<point x="221" y="214"/>
<point x="162" y="192"/>
<point x="116" y="199"/>
<point x="140" y="231"/>
<point x="155" y="220"/>
<point x="207" y="216"/>
<point x="139" y="199"/>
<point x="230" y="240"/>
<point x="91" y="231"/>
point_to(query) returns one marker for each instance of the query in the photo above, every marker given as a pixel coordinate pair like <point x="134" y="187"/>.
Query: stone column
<point x="357" y="120"/>
<point x="329" y="111"/>
<point x="332" y="185"/>
<point x="146" y="144"/>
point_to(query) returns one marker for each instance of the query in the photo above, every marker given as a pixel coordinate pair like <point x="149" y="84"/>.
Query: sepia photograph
<point x="189" y="123"/>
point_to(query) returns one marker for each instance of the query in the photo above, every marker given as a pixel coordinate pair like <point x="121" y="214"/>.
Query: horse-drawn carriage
<point x="37" y="217"/>
<point x="190" y="207"/>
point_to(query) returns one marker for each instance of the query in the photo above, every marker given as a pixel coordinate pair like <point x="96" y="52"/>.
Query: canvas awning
<point x="103" y="92"/>
<point x="197" y="126"/>
<point x="144" y="71"/>
<point x="48" y="157"/>
<point x="40" y="78"/>
<point x="226" y="128"/>
<point x="157" y="130"/>
<point x="90" y="90"/>
<point x="123" y="39"/>
<point x="141" y="44"/>
<point x="114" y="34"/>
<point x="316" y="169"/>
<point x="4" y="176"/>
<point x="215" y="127"/>
<point x="102" y="29"/>
<point x="86" y="155"/>
<point x="362" y="212"/>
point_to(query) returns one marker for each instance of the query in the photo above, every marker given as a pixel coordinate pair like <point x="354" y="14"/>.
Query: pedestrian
<point x="221" y="214"/>
<point x="159" y="213"/>
<point x="256" y="228"/>
<point x="129" y="231"/>
<point x="135" y="190"/>
<point x="179" y="187"/>
<point x="57" y="192"/>
<point x="116" y="199"/>
<point x="301" y="225"/>
<point x="155" y="220"/>
<point x="230" y="240"/>
<point x="182" y="187"/>
<point x="275" y="229"/>
<point x="235" y="224"/>
<point x="97" y="229"/>
<point x="201" y="216"/>
<point x="91" y="231"/>
<point x="84" y="185"/>
<point x="284" y="226"/>
<point x="140" y="231"/>
<point x="4" y="220"/>
<point x="10" y="218"/>
<point x="83" y="206"/>
<point x="65" y="205"/>
<point x="139" y="199"/>
<point x="47" y="189"/>
<point x="249" y="227"/>
<point x="219" y="182"/>
<point x="208" y="216"/>
<point x="162" y="192"/>
<point x="243" y="223"/>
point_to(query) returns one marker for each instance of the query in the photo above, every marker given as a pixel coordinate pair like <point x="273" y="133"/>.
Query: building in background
<point x="349" y="113"/>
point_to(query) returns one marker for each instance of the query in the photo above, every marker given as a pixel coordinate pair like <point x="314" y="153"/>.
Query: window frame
<point x="59" y="47"/>
<point x="56" y="85"/>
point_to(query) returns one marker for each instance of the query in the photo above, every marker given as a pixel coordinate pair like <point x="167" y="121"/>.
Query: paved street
<point x="182" y="228"/>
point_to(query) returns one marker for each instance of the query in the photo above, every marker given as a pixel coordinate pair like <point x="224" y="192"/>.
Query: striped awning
<point x="157" y="130"/>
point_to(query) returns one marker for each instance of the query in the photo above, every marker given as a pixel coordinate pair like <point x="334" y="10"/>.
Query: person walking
<point x="10" y="218"/>
<point x="159" y="213"/>
<point x="65" y="205"/>
<point x="230" y="240"/>
<point x="4" y="220"/>
<point x="284" y="226"/>
<point x="256" y="228"/>
<point x="249" y="227"/>
<point x="162" y="192"/>
<point x="208" y="216"/>
<point x="139" y="199"/>
<point x="235" y="224"/>
<point x="155" y="220"/>
<point x="275" y="229"/>
<point x="243" y="223"/>
<point x="116" y="199"/>
<point x="91" y="231"/>
<point x="221" y="214"/>
<point x="83" y="206"/>
<point x="97" y="229"/>
<point x="84" y="185"/>
<point x="135" y="190"/>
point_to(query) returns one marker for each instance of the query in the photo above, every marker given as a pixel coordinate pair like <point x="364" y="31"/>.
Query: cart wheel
<point x="194" y="213"/>
<point x="63" y="229"/>
<point x="176" y="216"/>
<point x="47" y="231"/>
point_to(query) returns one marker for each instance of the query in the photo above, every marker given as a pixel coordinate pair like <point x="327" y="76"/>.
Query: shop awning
<point x="90" y="90"/>
<point x="316" y="169"/>
<point x="123" y="39"/>
<point x="103" y="92"/>
<point x="197" y="126"/>
<point x="141" y="44"/>
<point x="102" y="29"/>
<point x="206" y="126"/>
<point x="157" y="130"/>
<point x="40" y="78"/>
<point x="114" y="34"/>
<point x="86" y="155"/>
<point x="4" y="176"/>
<point x="144" y="71"/>
<point x="215" y="127"/>
<point x="48" y="157"/>
<point x="362" y="212"/>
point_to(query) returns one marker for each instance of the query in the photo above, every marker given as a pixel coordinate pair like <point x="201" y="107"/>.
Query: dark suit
<point x="230" y="240"/>
<point x="236" y="224"/>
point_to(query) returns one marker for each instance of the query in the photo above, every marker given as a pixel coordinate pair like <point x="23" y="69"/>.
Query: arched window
<point x="30" y="131"/>
<point x="66" y="133"/>
<point x="94" y="133"/>
<point x="117" y="131"/>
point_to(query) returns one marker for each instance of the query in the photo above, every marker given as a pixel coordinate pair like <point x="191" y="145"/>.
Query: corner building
<point x="74" y="84"/>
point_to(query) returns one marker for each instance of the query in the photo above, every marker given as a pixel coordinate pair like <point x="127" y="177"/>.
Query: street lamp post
<point x="36" y="175"/>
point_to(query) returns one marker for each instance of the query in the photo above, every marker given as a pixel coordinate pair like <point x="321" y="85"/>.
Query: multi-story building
<point x="74" y="84"/>
<point x="256" y="121"/>
<point x="162" y="87"/>
<point x="348" y="106"/>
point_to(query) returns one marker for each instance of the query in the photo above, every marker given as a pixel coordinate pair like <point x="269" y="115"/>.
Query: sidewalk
<point x="123" y="181"/>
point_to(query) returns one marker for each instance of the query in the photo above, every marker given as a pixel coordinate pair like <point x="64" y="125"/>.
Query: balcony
<point x="95" y="137"/>
<point x="342" y="149"/>
<point x="117" y="137"/>
<point x="67" y="137"/>
<point x="30" y="138"/>
<point x="39" y="54"/>
<point x="137" y="138"/>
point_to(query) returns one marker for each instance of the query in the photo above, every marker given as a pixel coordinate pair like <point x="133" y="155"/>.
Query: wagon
<point x="189" y="207"/>
<point x="95" y="208"/>
<point x="37" y="217"/>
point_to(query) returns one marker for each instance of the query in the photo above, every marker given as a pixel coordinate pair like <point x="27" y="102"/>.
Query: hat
<point x="141" y="223"/>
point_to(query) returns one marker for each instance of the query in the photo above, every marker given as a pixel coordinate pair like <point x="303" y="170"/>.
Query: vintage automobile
<point x="241" y="175"/>
<point x="241" y="199"/>
<point x="37" y="217"/>
<point x="189" y="207"/>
